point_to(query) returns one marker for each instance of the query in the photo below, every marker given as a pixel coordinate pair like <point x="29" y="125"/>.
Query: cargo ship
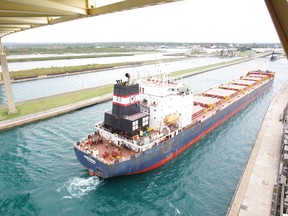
<point x="154" y="119"/>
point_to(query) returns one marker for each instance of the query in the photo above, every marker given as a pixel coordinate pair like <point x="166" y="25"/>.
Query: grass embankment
<point x="66" y="57"/>
<point x="43" y="104"/>
<point x="53" y="71"/>
<point x="38" y="72"/>
<point x="73" y="97"/>
<point x="206" y="67"/>
<point x="68" y="48"/>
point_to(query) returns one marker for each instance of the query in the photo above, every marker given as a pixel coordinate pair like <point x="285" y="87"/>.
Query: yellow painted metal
<point x="171" y="119"/>
<point x="19" y="15"/>
<point x="125" y="5"/>
<point x="278" y="10"/>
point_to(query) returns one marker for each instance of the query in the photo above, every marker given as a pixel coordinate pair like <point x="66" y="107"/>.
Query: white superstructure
<point x="167" y="101"/>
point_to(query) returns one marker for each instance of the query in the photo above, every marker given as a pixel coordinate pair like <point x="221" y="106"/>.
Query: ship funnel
<point x="129" y="78"/>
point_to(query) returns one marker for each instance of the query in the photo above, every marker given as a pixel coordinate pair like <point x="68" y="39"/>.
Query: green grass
<point x="60" y="70"/>
<point x="38" y="72"/>
<point x="206" y="67"/>
<point x="67" y="48"/>
<point x="245" y="53"/>
<point x="66" y="57"/>
<point x="38" y="105"/>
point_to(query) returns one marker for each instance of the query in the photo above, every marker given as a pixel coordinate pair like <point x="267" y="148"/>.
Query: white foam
<point x="177" y="211"/>
<point x="78" y="187"/>
<point x="151" y="185"/>
<point x="67" y="197"/>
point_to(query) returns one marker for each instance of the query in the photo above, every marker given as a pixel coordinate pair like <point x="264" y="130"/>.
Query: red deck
<point x="252" y="78"/>
<point x="233" y="87"/>
<point x="197" y="111"/>
<point x="206" y="101"/>
<point x="220" y="93"/>
<point x="105" y="150"/>
<point x="243" y="82"/>
<point x="253" y="74"/>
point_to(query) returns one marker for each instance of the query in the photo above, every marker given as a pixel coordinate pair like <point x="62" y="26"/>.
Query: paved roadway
<point x="254" y="193"/>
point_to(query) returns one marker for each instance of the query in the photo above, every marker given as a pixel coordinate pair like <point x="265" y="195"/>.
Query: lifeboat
<point x="172" y="118"/>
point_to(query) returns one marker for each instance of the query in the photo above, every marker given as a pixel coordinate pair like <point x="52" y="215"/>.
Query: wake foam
<point x="79" y="187"/>
<point x="177" y="211"/>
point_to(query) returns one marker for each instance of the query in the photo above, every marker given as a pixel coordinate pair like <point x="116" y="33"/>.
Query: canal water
<point x="47" y="87"/>
<point x="15" y="66"/>
<point x="40" y="174"/>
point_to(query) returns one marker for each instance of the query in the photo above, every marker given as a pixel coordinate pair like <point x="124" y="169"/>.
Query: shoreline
<point x="128" y="64"/>
<point x="260" y="173"/>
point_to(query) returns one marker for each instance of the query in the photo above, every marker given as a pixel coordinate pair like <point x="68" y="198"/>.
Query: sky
<point x="211" y="21"/>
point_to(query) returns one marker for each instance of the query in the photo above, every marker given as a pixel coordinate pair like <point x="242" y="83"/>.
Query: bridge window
<point x="135" y="125"/>
<point x="145" y="121"/>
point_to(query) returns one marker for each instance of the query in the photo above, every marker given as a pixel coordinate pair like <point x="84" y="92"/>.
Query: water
<point x="47" y="87"/>
<point x="40" y="175"/>
<point x="16" y="66"/>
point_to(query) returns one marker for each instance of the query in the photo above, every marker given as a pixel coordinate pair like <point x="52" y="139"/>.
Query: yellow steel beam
<point x="19" y="15"/>
<point x="125" y="5"/>
<point x="64" y="19"/>
<point x="39" y="7"/>
<point x="278" y="10"/>
<point x="20" y="20"/>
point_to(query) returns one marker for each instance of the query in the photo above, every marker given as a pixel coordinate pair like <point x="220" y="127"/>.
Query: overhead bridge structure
<point x="20" y="15"/>
<point x="278" y="10"/>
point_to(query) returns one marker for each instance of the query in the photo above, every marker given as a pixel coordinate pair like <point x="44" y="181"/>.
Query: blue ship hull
<point x="166" y="151"/>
